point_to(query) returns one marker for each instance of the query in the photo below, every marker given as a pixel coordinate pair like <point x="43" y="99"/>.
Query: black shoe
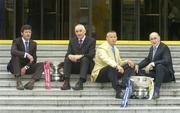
<point x="156" y="95"/>
<point x="78" y="86"/>
<point x="19" y="84"/>
<point x="30" y="85"/>
<point x="66" y="85"/>
<point x="119" y="94"/>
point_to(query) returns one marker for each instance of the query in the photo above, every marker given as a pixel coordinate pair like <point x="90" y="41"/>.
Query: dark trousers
<point x="80" y="67"/>
<point x="35" y="69"/>
<point x="160" y="74"/>
<point x="110" y="74"/>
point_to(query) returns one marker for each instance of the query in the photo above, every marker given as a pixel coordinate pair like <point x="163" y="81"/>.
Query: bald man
<point x="109" y="67"/>
<point x="79" y="57"/>
<point x="158" y="63"/>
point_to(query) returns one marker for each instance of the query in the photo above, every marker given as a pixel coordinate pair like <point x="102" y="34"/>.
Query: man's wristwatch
<point x="26" y="67"/>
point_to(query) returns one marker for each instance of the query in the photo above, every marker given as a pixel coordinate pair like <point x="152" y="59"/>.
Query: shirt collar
<point x="156" y="46"/>
<point x="83" y="38"/>
<point x="25" y="40"/>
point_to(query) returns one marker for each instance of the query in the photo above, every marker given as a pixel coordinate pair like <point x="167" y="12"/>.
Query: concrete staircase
<point x="94" y="98"/>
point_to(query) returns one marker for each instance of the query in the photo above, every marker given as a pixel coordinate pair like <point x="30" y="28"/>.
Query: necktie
<point x="80" y="42"/>
<point x="154" y="51"/>
<point x="26" y="46"/>
<point x="113" y="50"/>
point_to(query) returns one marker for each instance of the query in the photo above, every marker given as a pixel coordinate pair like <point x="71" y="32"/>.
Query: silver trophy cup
<point x="56" y="72"/>
<point x="55" y="75"/>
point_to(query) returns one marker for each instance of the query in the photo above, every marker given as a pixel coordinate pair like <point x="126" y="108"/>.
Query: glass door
<point x="7" y="19"/>
<point x="150" y="18"/>
<point x="48" y="18"/>
<point x="173" y="19"/>
<point x="94" y="14"/>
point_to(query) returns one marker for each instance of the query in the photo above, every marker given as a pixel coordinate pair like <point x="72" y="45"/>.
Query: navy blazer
<point x="162" y="56"/>
<point x="18" y="49"/>
<point x="87" y="48"/>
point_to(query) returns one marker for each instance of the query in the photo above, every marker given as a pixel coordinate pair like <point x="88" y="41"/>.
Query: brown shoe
<point x="66" y="85"/>
<point x="30" y="84"/>
<point x="78" y="86"/>
<point x="19" y="84"/>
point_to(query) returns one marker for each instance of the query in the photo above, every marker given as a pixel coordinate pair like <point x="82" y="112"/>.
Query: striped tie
<point x="26" y="46"/>
<point x="154" y="51"/>
<point x="113" y="50"/>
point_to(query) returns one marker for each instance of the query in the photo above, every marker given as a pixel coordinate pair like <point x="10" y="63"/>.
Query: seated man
<point x="80" y="54"/>
<point x="109" y="66"/>
<point x="158" y="63"/>
<point x="23" y="59"/>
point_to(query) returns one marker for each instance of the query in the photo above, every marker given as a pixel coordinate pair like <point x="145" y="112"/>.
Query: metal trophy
<point x="57" y="72"/>
<point x="143" y="87"/>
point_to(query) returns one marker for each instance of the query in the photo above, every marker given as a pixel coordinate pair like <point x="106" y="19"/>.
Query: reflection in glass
<point x="6" y="19"/>
<point x="149" y="18"/>
<point x="129" y="20"/>
<point x="100" y="18"/>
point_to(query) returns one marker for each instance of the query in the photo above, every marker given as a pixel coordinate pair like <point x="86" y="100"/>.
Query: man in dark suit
<point x="79" y="57"/>
<point x="23" y="59"/>
<point x="158" y="63"/>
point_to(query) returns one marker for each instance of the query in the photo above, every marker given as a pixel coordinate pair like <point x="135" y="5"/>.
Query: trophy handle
<point x="61" y="71"/>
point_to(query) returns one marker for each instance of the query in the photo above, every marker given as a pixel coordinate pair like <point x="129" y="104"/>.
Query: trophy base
<point x="57" y="78"/>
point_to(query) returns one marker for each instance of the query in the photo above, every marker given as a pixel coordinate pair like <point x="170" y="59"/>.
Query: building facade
<point x="55" y="19"/>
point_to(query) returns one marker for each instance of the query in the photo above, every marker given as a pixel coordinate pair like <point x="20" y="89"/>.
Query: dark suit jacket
<point x="18" y="49"/>
<point x="162" y="56"/>
<point x="87" y="49"/>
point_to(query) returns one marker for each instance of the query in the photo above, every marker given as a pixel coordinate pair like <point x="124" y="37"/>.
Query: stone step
<point x="124" y="54"/>
<point x="176" y="61"/>
<point x="87" y="92"/>
<point x="87" y="85"/>
<point x="95" y="97"/>
<point x="3" y="68"/>
<point x="64" y="47"/>
<point x="83" y="101"/>
<point x="88" y="109"/>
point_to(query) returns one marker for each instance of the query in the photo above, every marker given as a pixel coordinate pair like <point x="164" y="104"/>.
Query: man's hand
<point x="30" y="57"/>
<point x="120" y="69"/>
<point x="78" y="57"/>
<point x="148" y="68"/>
<point x="136" y="68"/>
<point x="74" y="58"/>
<point x="23" y="70"/>
<point x="130" y="63"/>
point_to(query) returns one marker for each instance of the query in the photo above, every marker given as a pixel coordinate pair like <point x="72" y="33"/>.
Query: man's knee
<point x="160" y="67"/>
<point x="84" y="59"/>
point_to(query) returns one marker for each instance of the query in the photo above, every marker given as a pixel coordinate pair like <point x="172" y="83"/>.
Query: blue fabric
<point x="26" y="46"/>
<point x="127" y="94"/>
<point x="113" y="50"/>
<point x="156" y="89"/>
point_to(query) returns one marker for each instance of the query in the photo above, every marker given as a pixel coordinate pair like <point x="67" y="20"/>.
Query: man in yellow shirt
<point x="109" y="66"/>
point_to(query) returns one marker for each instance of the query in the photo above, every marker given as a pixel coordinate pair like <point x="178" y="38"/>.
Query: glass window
<point x="149" y="18"/>
<point x="174" y="19"/>
<point x="49" y="18"/>
<point x="94" y="14"/>
<point x="7" y="19"/>
<point x="79" y="13"/>
<point x="101" y="18"/>
<point x="32" y="13"/>
<point x="129" y="22"/>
